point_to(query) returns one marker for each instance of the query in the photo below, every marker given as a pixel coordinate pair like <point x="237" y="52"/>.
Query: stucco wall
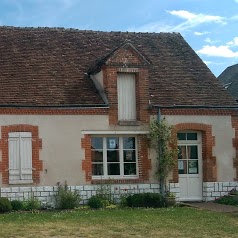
<point x="223" y="149"/>
<point x="61" y="143"/>
<point x="61" y="136"/>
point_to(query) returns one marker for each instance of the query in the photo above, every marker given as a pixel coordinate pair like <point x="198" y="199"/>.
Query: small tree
<point x="166" y="150"/>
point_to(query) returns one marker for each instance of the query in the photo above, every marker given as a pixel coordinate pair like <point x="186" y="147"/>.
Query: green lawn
<point x="166" y="222"/>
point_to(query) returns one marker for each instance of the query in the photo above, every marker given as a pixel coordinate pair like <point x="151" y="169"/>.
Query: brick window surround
<point x="208" y="141"/>
<point x="144" y="163"/>
<point x="37" y="164"/>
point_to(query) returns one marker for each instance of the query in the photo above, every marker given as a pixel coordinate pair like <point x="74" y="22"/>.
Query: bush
<point x="146" y="200"/>
<point x="5" y="205"/>
<point x="97" y="202"/>
<point x="17" y="205"/>
<point x="228" y="200"/>
<point x="67" y="199"/>
<point x="31" y="204"/>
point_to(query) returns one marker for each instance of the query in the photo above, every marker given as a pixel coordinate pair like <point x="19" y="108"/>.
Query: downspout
<point x="161" y="178"/>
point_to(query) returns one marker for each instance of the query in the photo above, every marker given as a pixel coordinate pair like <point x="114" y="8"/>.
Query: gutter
<point x="195" y="106"/>
<point x="78" y="106"/>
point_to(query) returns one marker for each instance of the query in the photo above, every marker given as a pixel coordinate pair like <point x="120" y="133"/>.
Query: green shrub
<point x="146" y="200"/>
<point x="17" y="205"/>
<point x="5" y="205"/>
<point x="31" y="204"/>
<point x="67" y="199"/>
<point x="228" y="200"/>
<point x="97" y="202"/>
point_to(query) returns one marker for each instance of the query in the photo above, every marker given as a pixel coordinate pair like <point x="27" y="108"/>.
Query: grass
<point x="167" y="222"/>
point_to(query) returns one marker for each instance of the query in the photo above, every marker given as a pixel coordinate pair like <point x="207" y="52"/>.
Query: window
<point x="20" y="157"/>
<point x="188" y="162"/>
<point x="126" y="90"/>
<point x="114" y="157"/>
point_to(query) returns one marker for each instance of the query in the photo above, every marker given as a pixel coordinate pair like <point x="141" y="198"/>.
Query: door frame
<point x="197" y="142"/>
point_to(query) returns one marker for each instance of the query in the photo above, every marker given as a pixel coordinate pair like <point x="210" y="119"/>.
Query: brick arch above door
<point x="208" y="141"/>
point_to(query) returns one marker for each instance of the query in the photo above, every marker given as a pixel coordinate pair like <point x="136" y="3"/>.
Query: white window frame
<point x="105" y="163"/>
<point x="18" y="137"/>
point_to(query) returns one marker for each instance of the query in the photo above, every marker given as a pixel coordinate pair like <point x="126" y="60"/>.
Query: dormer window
<point x="126" y="91"/>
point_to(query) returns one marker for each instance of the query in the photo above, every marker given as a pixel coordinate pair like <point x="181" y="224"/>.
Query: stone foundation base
<point x="46" y="194"/>
<point x="214" y="190"/>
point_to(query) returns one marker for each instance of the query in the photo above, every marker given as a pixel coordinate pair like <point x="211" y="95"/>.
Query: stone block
<point x="44" y="194"/>
<point x="15" y="189"/>
<point x="208" y="184"/>
<point x="209" y="189"/>
<point x="154" y="186"/>
<point x="143" y="186"/>
<point x="25" y="189"/>
<point x="6" y="190"/>
<point x="225" y="184"/>
<point x="87" y="187"/>
<point x="233" y="184"/>
<point x="48" y="188"/>
<point x="174" y="190"/>
<point x="216" y="194"/>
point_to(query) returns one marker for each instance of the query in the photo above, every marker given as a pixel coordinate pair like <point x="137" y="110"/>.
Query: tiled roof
<point x="229" y="79"/>
<point x="48" y="66"/>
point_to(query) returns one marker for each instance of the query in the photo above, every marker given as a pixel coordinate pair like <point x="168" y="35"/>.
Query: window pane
<point x="97" y="169"/>
<point x="112" y="143"/>
<point x="96" y="143"/>
<point x="191" y="136"/>
<point x="113" y="156"/>
<point x="129" y="155"/>
<point x="181" y="136"/>
<point x="192" y="152"/>
<point x="129" y="143"/>
<point x="113" y="169"/>
<point x="130" y="169"/>
<point x="182" y="152"/>
<point x="97" y="156"/>
<point x="182" y="166"/>
<point x="193" y="167"/>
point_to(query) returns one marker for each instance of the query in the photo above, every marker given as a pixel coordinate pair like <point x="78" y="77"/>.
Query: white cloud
<point x="196" y="19"/>
<point x="219" y="51"/>
<point x="191" y="20"/>
<point x="236" y="1"/>
<point x="234" y="42"/>
<point x="197" y="33"/>
<point x="210" y="41"/>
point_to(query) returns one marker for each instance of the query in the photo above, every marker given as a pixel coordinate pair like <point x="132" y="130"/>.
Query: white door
<point x="190" y="166"/>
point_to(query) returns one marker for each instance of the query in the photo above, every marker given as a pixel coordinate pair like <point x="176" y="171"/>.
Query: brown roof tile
<point x="48" y="66"/>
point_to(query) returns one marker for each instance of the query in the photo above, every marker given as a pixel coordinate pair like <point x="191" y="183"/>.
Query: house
<point x="76" y="106"/>
<point x="229" y="79"/>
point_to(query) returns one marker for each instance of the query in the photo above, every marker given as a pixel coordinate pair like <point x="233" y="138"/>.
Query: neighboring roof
<point x="229" y="79"/>
<point x="48" y="66"/>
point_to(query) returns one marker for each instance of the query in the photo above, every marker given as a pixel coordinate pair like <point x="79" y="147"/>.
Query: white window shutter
<point x="20" y="156"/>
<point x="14" y="158"/>
<point x="126" y="89"/>
<point x="26" y="155"/>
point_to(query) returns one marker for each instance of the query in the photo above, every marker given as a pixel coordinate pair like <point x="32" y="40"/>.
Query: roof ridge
<point x="83" y="30"/>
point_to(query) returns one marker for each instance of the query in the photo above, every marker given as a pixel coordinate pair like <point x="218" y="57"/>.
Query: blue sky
<point x="209" y="26"/>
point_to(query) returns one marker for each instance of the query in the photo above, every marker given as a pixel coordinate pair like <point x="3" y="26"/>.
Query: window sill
<point x="129" y="123"/>
<point x="18" y="182"/>
<point x="116" y="181"/>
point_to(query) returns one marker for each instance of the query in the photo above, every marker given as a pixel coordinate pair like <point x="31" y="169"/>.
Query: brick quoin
<point x="144" y="163"/>
<point x="36" y="146"/>
<point x="208" y="141"/>
<point x="234" y="121"/>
